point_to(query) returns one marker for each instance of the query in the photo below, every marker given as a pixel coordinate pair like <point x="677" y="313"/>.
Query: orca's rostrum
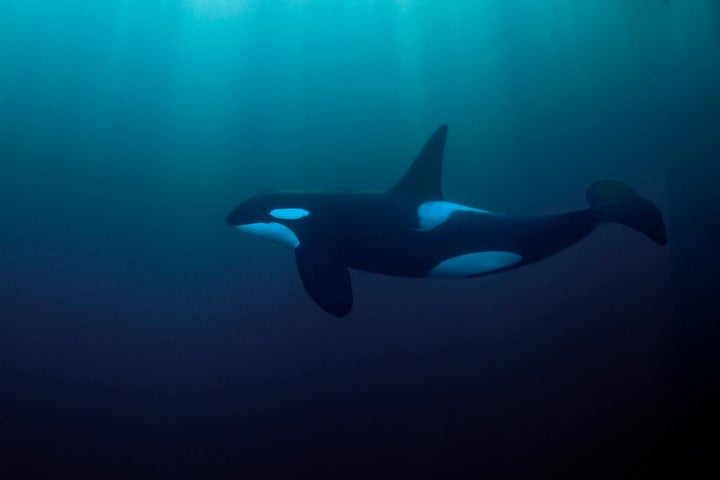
<point x="412" y="231"/>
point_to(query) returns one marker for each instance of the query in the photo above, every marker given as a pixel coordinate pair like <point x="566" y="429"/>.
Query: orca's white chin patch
<point x="272" y="231"/>
<point x="473" y="264"/>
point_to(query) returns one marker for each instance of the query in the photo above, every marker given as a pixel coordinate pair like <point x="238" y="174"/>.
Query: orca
<point x="410" y="230"/>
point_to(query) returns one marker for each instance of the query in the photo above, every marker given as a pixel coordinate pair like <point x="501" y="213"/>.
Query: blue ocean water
<point x="140" y="337"/>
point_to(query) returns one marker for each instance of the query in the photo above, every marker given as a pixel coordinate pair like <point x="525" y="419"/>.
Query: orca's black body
<point x="412" y="231"/>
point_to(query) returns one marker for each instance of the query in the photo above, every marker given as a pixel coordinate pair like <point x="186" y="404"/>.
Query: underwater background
<point x="141" y="337"/>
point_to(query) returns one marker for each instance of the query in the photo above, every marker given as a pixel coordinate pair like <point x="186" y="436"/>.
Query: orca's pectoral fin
<point x="326" y="280"/>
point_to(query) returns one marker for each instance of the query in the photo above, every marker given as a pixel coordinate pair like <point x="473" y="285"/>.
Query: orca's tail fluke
<point x="615" y="202"/>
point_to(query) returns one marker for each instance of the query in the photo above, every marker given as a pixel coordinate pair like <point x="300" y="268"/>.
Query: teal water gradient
<point x="140" y="337"/>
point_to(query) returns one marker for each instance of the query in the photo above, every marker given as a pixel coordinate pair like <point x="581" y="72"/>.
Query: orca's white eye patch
<point x="289" y="213"/>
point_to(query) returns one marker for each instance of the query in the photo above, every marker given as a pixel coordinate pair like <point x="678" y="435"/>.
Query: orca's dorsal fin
<point x="424" y="177"/>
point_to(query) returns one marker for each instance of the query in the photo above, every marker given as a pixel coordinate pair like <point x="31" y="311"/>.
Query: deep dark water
<point x="141" y="338"/>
